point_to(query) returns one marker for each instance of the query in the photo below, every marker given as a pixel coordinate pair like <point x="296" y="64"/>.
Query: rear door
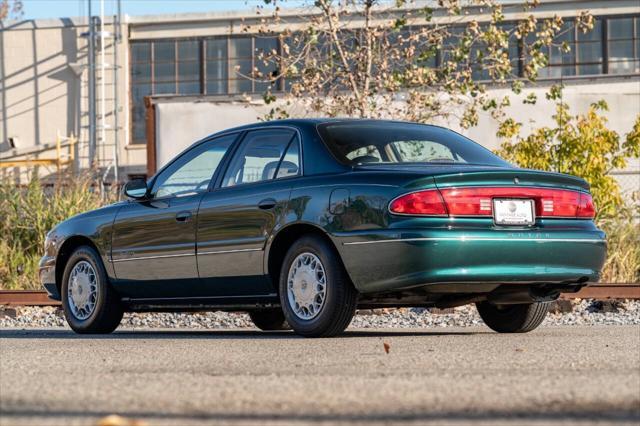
<point x="154" y="240"/>
<point x="236" y="219"/>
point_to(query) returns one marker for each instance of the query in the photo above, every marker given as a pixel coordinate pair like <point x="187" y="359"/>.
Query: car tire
<point x="91" y="306"/>
<point x="520" y="318"/>
<point x="312" y="263"/>
<point x="269" y="319"/>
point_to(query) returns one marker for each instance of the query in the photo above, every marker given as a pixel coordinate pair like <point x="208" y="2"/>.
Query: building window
<point x="217" y="71"/>
<point x="589" y="58"/>
<point x="227" y="64"/>
<point x="216" y="65"/>
<point x="141" y="86"/>
<point x="623" y="45"/>
<point x="188" y="67"/>
<point x="584" y="56"/>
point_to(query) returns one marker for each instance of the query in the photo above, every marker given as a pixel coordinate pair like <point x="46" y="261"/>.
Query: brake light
<point x="587" y="208"/>
<point x="428" y="202"/>
<point x="479" y="202"/>
<point x="469" y="201"/>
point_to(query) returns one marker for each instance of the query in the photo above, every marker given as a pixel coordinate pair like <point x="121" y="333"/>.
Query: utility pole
<point x="116" y="43"/>
<point x="92" y="86"/>
<point x="103" y="105"/>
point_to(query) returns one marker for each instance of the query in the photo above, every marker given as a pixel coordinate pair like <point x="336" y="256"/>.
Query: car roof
<point x="306" y="122"/>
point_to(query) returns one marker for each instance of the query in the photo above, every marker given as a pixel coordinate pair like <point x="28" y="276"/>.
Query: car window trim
<point x="238" y="144"/>
<point x="196" y="145"/>
<point x="226" y="160"/>
<point x="284" y="153"/>
<point x="225" y="166"/>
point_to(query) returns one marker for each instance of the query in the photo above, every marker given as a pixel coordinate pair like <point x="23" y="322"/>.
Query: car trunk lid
<point x="457" y="175"/>
<point x="509" y="177"/>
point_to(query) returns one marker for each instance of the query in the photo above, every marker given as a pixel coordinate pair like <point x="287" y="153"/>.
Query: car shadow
<point x="574" y="413"/>
<point x="58" y="333"/>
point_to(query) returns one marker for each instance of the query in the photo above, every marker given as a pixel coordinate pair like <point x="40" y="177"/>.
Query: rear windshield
<point x="354" y="143"/>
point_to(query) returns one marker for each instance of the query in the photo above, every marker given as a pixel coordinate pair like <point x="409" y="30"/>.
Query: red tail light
<point x="479" y="202"/>
<point x="586" y="208"/>
<point x="428" y="203"/>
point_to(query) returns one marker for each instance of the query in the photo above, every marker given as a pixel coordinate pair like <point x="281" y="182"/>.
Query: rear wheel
<point x="519" y="318"/>
<point x="90" y="304"/>
<point x="269" y="319"/>
<point x="316" y="294"/>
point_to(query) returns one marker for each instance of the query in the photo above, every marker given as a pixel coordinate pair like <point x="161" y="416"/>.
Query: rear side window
<point x="371" y="142"/>
<point x="259" y="156"/>
<point x="290" y="165"/>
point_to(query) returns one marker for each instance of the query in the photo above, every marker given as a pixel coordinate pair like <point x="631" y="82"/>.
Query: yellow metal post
<point x="58" y="152"/>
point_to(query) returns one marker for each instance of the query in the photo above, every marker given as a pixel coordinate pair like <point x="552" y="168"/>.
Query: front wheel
<point x="520" y="318"/>
<point x="316" y="294"/>
<point x="90" y="304"/>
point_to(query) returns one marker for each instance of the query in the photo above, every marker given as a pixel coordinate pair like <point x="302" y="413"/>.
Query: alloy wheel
<point x="306" y="286"/>
<point x="82" y="292"/>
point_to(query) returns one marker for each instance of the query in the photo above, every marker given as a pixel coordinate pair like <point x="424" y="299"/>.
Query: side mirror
<point x="136" y="188"/>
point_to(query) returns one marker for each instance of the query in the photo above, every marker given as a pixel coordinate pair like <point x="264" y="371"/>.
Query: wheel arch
<point x="283" y="239"/>
<point x="65" y="251"/>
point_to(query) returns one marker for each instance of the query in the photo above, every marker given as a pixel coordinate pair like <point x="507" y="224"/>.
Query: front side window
<point x="192" y="173"/>
<point x="370" y="142"/>
<point x="259" y="157"/>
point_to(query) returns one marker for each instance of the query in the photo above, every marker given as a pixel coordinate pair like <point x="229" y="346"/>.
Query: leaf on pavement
<point x="386" y="346"/>
<point x="115" y="420"/>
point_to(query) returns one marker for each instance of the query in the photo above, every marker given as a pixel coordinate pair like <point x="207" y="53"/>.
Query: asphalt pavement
<point x="554" y="375"/>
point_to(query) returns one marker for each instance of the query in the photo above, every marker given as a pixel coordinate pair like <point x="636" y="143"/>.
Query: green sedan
<point x="302" y="222"/>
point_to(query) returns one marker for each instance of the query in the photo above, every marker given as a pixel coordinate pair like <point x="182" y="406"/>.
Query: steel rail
<point x="598" y="291"/>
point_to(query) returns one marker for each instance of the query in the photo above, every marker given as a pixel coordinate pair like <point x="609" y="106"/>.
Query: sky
<point x="43" y="9"/>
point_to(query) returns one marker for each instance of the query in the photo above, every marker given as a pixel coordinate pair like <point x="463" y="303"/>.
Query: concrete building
<point x="186" y="65"/>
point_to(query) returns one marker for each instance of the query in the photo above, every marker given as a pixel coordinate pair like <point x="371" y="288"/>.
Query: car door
<point x="154" y="240"/>
<point x="236" y="219"/>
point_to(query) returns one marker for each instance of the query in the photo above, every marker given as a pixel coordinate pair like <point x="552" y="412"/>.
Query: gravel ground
<point x="580" y="312"/>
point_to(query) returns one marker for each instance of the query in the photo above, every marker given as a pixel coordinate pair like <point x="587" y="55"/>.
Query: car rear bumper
<point x="47" y="274"/>
<point x="400" y="259"/>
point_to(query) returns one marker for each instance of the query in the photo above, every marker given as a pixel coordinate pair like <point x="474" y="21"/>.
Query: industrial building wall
<point x="40" y="93"/>
<point x="44" y="90"/>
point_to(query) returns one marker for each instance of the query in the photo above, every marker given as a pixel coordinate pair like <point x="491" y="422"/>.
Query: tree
<point x="580" y="145"/>
<point x="10" y="9"/>
<point x="403" y="60"/>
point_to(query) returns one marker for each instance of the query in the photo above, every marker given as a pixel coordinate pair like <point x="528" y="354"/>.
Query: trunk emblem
<point x="516" y="181"/>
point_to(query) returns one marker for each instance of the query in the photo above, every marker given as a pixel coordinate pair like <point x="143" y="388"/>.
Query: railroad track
<point x="599" y="291"/>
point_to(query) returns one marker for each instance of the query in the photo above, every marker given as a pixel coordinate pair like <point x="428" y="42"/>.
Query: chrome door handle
<point x="267" y="204"/>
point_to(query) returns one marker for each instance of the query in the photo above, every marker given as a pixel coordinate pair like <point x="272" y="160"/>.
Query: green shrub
<point x="582" y="145"/>
<point x="27" y="214"/>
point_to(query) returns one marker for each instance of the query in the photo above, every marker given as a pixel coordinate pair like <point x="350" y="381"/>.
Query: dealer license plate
<point x="513" y="211"/>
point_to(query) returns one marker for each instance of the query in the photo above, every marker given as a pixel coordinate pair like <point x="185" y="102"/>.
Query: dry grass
<point x="623" y="260"/>
<point x="28" y="213"/>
